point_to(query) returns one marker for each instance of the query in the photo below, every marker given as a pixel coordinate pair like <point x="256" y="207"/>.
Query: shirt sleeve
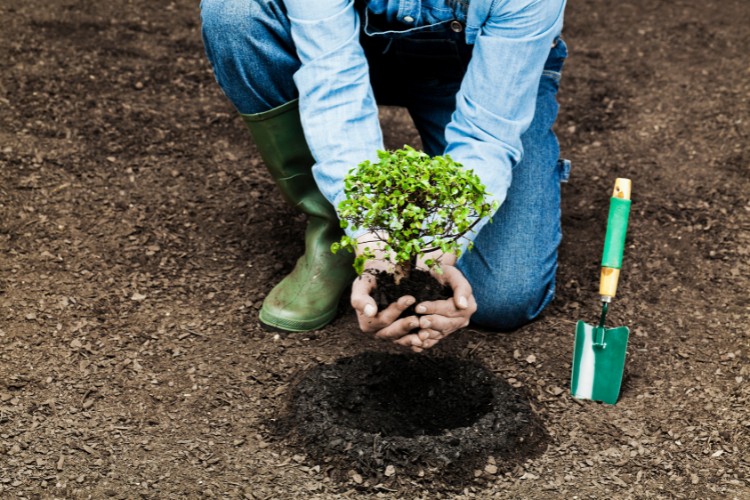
<point x="497" y="98"/>
<point x="337" y="106"/>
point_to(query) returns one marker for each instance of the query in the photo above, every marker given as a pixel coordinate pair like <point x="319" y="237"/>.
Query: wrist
<point x="372" y="245"/>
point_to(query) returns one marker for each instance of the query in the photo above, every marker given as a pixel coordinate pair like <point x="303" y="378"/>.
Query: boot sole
<point x="269" y="322"/>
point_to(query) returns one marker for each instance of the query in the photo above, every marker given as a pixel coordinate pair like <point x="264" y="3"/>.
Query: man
<point x="479" y="79"/>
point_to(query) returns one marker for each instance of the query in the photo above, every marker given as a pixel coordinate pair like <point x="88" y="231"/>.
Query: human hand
<point x="384" y="324"/>
<point x="440" y="318"/>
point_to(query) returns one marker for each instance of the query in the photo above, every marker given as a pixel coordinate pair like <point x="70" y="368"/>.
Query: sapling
<point x="412" y="204"/>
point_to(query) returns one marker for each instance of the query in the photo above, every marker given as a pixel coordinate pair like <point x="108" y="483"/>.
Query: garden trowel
<point x="599" y="352"/>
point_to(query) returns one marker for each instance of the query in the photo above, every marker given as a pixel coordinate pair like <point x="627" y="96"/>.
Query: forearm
<point x="497" y="99"/>
<point x="337" y="106"/>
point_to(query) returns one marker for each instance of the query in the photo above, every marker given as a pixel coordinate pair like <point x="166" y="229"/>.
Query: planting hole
<point x="413" y="395"/>
<point x="418" y="413"/>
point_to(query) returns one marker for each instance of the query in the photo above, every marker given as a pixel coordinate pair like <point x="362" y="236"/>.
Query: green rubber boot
<point x="308" y="298"/>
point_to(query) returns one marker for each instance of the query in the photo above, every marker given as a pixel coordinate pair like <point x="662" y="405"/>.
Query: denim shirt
<point x="494" y="106"/>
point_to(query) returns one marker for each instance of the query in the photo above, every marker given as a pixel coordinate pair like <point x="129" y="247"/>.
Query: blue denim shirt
<point x="495" y="103"/>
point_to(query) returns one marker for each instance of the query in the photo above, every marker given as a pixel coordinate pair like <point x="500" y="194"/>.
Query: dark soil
<point x="139" y="233"/>
<point x="425" y="417"/>
<point x="419" y="284"/>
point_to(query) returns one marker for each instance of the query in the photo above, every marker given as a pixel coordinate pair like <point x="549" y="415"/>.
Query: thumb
<point x="460" y="285"/>
<point x="361" y="300"/>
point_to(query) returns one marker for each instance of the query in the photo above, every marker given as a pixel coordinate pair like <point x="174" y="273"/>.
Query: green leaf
<point x="415" y="199"/>
<point x="359" y="264"/>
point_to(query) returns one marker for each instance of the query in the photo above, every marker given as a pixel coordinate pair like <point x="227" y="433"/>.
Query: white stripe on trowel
<point x="585" y="387"/>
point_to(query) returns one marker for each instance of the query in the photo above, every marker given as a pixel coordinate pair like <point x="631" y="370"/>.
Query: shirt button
<point x="408" y="19"/>
<point x="456" y="26"/>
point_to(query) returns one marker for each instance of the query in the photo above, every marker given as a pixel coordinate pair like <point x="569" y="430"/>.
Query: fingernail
<point x="423" y="335"/>
<point x="370" y="310"/>
<point x="421" y="309"/>
<point x="462" y="303"/>
<point x="409" y="302"/>
<point x="427" y="323"/>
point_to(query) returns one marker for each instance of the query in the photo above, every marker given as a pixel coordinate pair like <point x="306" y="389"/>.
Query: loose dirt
<point x="419" y="284"/>
<point x="139" y="233"/>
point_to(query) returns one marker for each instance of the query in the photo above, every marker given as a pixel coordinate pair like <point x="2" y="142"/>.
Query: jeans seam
<point x="415" y="30"/>
<point x="556" y="75"/>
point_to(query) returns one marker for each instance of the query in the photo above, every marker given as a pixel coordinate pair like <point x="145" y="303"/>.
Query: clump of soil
<point x="411" y="416"/>
<point x="419" y="284"/>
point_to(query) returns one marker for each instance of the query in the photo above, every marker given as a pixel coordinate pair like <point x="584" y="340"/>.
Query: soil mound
<point x="397" y="417"/>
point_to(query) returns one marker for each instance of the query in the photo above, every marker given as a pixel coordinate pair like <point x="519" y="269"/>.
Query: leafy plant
<point x="413" y="204"/>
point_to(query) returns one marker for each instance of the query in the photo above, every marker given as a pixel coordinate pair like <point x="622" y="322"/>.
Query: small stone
<point x="357" y="478"/>
<point x="531" y="359"/>
<point x="138" y="85"/>
<point x="490" y="469"/>
<point x="389" y="471"/>
<point x="76" y="344"/>
<point x="138" y="297"/>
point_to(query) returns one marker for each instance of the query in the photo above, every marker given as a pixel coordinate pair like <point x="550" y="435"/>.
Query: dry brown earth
<point x="136" y="246"/>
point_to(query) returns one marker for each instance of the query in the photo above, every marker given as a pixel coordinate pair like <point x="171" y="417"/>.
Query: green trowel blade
<point x="598" y="362"/>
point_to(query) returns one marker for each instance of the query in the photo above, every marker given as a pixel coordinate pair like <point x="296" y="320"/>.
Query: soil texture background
<point x="139" y="233"/>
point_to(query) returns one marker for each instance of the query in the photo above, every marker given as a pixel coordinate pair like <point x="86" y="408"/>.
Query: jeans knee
<point x="224" y="22"/>
<point x="513" y="303"/>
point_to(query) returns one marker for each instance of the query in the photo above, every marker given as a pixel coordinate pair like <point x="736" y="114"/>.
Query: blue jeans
<point x="514" y="260"/>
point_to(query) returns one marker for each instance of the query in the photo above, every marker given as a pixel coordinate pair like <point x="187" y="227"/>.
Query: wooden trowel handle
<point x="614" y="241"/>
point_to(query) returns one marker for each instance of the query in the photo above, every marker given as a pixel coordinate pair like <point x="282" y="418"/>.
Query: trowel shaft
<point x="603" y="317"/>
